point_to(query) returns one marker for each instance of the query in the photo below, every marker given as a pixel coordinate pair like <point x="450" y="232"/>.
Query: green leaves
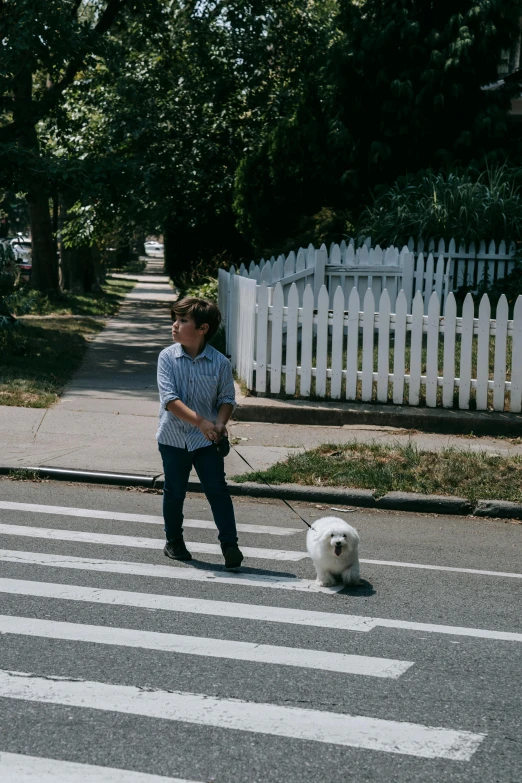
<point x="464" y="204"/>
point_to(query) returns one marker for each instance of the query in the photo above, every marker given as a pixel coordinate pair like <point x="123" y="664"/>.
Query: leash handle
<point x="256" y="473"/>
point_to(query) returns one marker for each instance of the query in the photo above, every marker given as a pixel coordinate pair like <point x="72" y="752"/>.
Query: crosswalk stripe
<point x="174" y="603"/>
<point x="477" y="571"/>
<point x="273" y="614"/>
<point x="235" y="714"/>
<point x="147" y="519"/>
<point x="198" y="547"/>
<point x="163" y="571"/>
<point x="135" y="542"/>
<point x="15" y="768"/>
<point x="303" y="658"/>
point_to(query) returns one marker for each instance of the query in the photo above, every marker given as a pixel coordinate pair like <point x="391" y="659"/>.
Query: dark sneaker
<point x="232" y="554"/>
<point x="177" y="550"/>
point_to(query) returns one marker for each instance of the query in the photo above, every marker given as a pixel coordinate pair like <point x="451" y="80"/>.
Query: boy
<point x="197" y="399"/>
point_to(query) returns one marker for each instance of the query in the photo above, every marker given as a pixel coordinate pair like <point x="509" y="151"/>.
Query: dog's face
<point x="338" y="542"/>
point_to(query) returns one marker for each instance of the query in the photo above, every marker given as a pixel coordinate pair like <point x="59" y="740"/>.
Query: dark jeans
<point x="210" y="467"/>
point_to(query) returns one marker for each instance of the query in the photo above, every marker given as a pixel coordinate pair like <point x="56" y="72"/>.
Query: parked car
<point x="22" y="249"/>
<point x="153" y="248"/>
<point x="9" y="269"/>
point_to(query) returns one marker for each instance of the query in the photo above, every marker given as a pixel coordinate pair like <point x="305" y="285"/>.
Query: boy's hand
<point x="221" y="430"/>
<point x="208" y="428"/>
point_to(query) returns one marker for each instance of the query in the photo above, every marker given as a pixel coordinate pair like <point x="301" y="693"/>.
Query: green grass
<point x="101" y="303"/>
<point x="134" y="267"/>
<point x="40" y="357"/>
<point x="406" y="468"/>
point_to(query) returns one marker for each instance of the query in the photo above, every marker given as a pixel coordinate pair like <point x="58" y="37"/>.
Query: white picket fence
<point x="423" y="268"/>
<point x="470" y="263"/>
<point x="348" y="351"/>
<point x="351" y="267"/>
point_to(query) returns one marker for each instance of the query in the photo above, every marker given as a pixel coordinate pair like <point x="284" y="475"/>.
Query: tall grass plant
<point x="461" y="203"/>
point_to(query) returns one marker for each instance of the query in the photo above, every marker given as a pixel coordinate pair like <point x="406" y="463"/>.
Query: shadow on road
<point x="202" y="566"/>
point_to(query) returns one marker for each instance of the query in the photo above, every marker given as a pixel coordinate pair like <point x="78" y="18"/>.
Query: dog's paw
<point x="351" y="577"/>
<point x="326" y="582"/>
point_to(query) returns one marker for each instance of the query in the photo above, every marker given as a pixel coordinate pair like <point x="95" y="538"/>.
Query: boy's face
<point x="186" y="333"/>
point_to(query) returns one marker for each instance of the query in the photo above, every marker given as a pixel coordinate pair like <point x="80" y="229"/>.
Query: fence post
<point x="337" y="343"/>
<point x="368" y="343"/>
<point x="307" y="341"/>
<point x="432" y="352"/>
<point x="321" y="361"/>
<point x="484" y="327"/>
<point x="321" y="257"/>
<point x="262" y="338"/>
<point x="383" y="359"/>
<point x="408" y="268"/>
<point x="291" y="339"/>
<point x="466" y="344"/>
<point x="499" y="375"/>
<point x="352" y="350"/>
<point x="399" y="348"/>
<point x="417" y="320"/>
<point x="516" y="364"/>
<point x="247" y="326"/>
<point x="276" y="354"/>
<point x="448" y="367"/>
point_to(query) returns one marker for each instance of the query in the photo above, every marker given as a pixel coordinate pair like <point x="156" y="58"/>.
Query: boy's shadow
<point x="200" y="565"/>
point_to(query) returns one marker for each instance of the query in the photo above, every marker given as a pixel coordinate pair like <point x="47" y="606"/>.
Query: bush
<point x="9" y="270"/>
<point x="9" y="280"/>
<point x="465" y="204"/>
<point x="511" y="286"/>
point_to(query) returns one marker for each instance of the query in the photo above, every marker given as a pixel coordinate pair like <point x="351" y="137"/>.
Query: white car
<point x="22" y="249"/>
<point x="153" y="248"/>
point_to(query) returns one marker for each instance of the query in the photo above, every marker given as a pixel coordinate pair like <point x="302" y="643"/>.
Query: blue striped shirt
<point x="203" y="384"/>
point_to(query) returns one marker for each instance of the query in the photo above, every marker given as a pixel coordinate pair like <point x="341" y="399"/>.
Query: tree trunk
<point x="81" y="267"/>
<point x="45" y="274"/>
<point x="138" y="245"/>
<point x="169" y="253"/>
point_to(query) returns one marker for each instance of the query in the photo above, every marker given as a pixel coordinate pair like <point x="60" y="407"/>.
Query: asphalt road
<point x="113" y="656"/>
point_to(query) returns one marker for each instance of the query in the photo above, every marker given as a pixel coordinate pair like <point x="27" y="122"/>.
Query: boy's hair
<point x="201" y="312"/>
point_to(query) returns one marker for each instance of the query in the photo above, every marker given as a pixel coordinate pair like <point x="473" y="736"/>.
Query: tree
<point x="167" y="116"/>
<point x="407" y="82"/>
<point x="288" y="172"/>
<point x="45" y="47"/>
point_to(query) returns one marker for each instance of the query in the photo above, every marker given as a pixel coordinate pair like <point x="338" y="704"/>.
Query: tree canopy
<point x="239" y="127"/>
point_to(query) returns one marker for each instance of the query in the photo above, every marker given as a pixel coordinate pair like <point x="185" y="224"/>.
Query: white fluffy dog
<point x="333" y="545"/>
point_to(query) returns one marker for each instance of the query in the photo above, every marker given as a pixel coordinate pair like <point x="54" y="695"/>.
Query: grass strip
<point x="40" y="357"/>
<point x="105" y="302"/>
<point x="398" y="467"/>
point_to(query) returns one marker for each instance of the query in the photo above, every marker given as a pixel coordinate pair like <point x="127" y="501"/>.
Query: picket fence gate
<point x="423" y="267"/>
<point x="273" y="343"/>
<point x="351" y="267"/>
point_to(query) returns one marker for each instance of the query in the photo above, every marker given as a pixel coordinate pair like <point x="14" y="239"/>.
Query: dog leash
<point x="224" y="443"/>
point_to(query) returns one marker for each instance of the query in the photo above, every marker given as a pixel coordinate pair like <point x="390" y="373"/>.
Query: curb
<point x="432" y="504"/>
<point x="437" y="420"/>
<point x="87" y="476"/>
<point x="362" y="498"/>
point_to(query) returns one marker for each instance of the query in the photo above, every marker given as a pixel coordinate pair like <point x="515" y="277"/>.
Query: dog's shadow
<point x="363" y="590"/>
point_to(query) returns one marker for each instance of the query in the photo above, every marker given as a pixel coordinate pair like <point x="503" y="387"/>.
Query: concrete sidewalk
<point x="107" y="417"/>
